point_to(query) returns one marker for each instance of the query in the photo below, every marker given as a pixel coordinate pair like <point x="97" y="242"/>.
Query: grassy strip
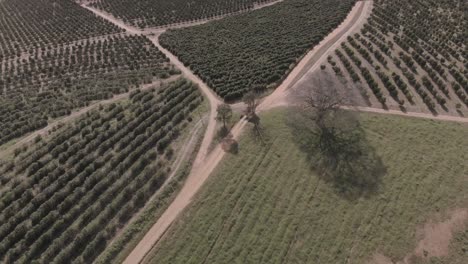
<point x="267" y="205"/>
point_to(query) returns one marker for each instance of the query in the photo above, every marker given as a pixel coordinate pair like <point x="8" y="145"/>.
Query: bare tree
<point x="323" y="101"/>
<point x="224" y="114"/>
<point x="252" y="101"/>
<point x="333" y="139"/>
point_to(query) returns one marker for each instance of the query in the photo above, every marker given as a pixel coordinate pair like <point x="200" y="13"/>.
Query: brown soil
<point x="435" y="237"/>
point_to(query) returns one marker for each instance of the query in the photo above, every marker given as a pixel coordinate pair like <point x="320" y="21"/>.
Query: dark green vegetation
<point x="266" y="204"/>
<point x="26" y="25"/>
<point x="150" y="13"/>
<point x="51" y="81"/>
<point x="63" y="199"/>
<point x="255" y="51"/>
<point x="411" y="53"/>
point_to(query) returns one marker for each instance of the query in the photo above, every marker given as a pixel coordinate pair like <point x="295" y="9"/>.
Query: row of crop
<point x="123" y="53"/>
<point x="434" y="46"/>
<point x="39" y="158"/>
<point x="370" y="32"/>
<point x="386" y="80"/>
<point x="414" y="58"/>
<point x="424" y="21"/>
<point x="86" y="199"/>
<point x="349" y="68"/>
<point x="147" y="13"/>
<point x="41" y="90"/>
<point x="256" y="50"/>
<point x="26" y="24"/>
<point x="377" y="54"/>
<point x="373" y="85"/>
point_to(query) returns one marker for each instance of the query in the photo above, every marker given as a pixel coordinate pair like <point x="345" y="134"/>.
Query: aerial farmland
<point x="234" y="131"/>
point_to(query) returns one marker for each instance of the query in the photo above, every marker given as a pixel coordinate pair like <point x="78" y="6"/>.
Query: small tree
<point x="224" y="114"/>
<point x="251" y="100"/>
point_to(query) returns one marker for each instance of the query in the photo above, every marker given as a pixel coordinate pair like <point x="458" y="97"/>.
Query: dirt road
<point x="204" y="164"/>
<point x="113" y="20"/>
<point x="199" y="171"/>
<point x="312" y="59"/>
<point x="213" y="99"/>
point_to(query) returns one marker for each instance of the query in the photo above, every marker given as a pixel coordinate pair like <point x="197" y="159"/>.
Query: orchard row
<point x="66" y="197"/>
<point x="51" y="82"/>
<point x="255" y="51"/>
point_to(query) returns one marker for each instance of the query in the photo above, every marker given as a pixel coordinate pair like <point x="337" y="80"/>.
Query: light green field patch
<point x="266" y="205"/>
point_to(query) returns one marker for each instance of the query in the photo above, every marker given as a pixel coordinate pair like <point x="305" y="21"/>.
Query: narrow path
<point x="198" y="173"/>
<point x="213" y="99"/>
<point x="410" y="114"/>
<point x="161" y="29"/>
<point x="114" y="20"/>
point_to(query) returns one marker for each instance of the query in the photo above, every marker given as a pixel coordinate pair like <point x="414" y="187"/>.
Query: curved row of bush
<point x="87" y="181"/>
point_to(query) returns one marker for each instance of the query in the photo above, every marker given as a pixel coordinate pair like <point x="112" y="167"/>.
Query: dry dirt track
<point x="209" y="94"/>
<point x="197" y="175"/>
<point x="411" y="114"/>
<point x="356" y="17"/>
<point x="205" y="164"/>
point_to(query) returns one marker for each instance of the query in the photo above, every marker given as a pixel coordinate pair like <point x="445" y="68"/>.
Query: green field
<point x="266" y="205"/>
<point x="255" y="50"/>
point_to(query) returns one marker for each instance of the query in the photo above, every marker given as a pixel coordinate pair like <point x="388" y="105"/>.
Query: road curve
<point x="203" y="169"/>
<point x="313" y="58"/>
<point x="193" y="182"/>
<point x="213" y="99"/>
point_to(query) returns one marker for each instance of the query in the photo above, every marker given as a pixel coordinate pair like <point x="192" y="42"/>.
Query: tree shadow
<point x="339" y="155"/>
<point x="230" y="145"/>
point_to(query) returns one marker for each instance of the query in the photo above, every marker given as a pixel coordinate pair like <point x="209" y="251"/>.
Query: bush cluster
<point x="255" y="51"/>
<point x="87" y="181"/>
